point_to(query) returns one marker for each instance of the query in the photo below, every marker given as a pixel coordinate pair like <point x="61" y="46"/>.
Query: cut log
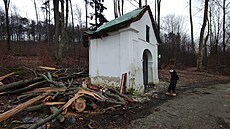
<point x="80" y="93"/>
<point x="19" y="108"/>
<point x="20" y="84"/>
<point x="80" y="104"/>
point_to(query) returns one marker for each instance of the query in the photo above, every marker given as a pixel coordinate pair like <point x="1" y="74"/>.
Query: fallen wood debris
<point x="59" y="92"/>
<point x="5" y="76"/>
<point x="19" y="108"/>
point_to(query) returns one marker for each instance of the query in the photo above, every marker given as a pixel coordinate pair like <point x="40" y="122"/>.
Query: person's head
<point x="171" y="70"/>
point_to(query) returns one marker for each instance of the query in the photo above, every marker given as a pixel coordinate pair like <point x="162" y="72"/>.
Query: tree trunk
<point x="191" y="24"/>
<point x="6" y="3"/>
<point x="63" y="36"/>
<point x="206" y="49"/>
<point x="36" y="12"/>
<point x="224" y="30"/>
<point x="67" y="14"/>
<point x="24" y="89"/>
<point x="20" y="84"/>
<point x="210" y="30"/>
<point x="56" y="21"/>
<point x="119" y="7"/>
<point x="201" y="41"/>
<point x="71" y="6"/>
<point x="49" y="24"/>
<point x="115" y="8"/>
<point x="86" y="14"/>
<point x="158" y="15"/>
<point x="155" y="9"/>
<point x="122" y="7"/>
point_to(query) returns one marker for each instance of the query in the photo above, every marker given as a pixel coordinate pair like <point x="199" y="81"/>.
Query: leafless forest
<point x="57" y="40"/>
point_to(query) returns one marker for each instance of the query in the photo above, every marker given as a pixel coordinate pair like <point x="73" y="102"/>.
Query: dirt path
<point x="198" y="108"/>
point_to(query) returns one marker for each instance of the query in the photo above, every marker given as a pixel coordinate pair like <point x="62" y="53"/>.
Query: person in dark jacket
<point x="173" y="82"/>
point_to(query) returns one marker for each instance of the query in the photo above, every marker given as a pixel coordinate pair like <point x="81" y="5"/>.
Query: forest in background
<point x="58" y="40"/>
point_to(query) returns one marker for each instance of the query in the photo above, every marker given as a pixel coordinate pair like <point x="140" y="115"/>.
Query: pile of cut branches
<point x="61" y="93"/>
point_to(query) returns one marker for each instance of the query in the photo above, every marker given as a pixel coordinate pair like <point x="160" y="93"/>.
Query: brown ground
<point x="190" y="80"/>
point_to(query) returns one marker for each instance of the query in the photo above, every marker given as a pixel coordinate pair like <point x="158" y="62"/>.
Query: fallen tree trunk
<point x="20" y="84"/>
<point x="30" y="87"/>
<point x="48" y="89"/>
<point x="19" y="108"/>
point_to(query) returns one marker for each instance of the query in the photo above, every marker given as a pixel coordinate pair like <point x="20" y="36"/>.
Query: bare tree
<point x="118" y="8"/>
<point x="7" y="3"/>
<point x="36" y="12"/>
<point x="71" y="6"/>
<point x="140" y="3"/>
<point x="86" y="14"/>
<point x="115" y="8"/>
<point x="224" y="22"/>
<point x="46" y="8"/>
<point x="63" y="34"/>
<point x="78" y="14"/>
<point x="56" y="22"/>
<point x="191" y="25"/>
<point x="201" y="41"/>
<point x="67" y="13"/>
<point x="224" y="7"/>
<point x="122" y="7"/>
<point x="158" y="14"/>
<point x="173" y="23"/>
<point x="174" y="28"/>
<point x="216" y="29"/>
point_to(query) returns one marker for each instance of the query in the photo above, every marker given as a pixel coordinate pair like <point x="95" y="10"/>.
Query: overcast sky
<point x="26" y="7"/>
<point x="177" y="7"/>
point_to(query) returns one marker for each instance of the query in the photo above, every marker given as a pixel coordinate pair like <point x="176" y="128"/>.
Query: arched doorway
<point x="147" y="67"/>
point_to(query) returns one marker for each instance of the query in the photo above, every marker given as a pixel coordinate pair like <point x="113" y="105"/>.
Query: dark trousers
<point x="172" y="86"/>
